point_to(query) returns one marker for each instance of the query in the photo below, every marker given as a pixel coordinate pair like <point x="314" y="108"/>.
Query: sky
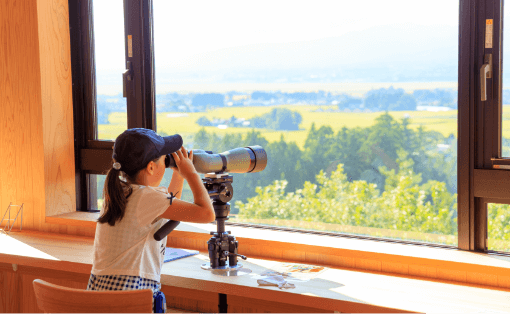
<point x="187" y="28"/>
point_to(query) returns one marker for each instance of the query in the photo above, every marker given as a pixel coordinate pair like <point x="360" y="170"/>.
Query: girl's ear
<point x="150" y="167"/>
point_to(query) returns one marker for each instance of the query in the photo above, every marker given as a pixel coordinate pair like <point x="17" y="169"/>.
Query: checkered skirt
<point x="122" y="282"/>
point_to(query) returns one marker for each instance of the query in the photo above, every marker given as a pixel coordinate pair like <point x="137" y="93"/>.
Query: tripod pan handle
<point x="165" y="230"/>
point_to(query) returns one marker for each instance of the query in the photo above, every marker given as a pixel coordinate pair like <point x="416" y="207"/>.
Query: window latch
<point x="127" y="76"/>
<point x="485" y="73"/>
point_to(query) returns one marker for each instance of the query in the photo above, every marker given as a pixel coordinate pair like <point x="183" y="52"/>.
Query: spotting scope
<point x="237" y="160"/>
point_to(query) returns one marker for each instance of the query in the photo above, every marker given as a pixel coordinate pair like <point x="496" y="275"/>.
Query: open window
<point x="389" y="107"/>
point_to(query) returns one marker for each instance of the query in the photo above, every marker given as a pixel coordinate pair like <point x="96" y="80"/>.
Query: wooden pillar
<point x="36" y="118"/>
<point x="57" y="111"/>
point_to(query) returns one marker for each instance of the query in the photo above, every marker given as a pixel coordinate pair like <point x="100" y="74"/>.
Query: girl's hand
<point x="184" y="162"/>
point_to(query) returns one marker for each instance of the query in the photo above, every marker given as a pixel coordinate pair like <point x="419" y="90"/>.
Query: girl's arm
<point x="176" y="184"/>
<point x="201" y="210"/>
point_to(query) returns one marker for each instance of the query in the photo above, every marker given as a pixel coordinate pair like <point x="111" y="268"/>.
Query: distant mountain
<point x="390" y="44"/>
<point x="406" y="52"/>
<point x="390" y="53"/>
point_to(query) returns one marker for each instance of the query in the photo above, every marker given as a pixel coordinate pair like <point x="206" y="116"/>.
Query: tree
<point x="383" y="141"/>
<point x="349" y="102"/>
<point x="201" y="139"/>
<point x="284" y="163"/>
<point x="436" y="97"/>
<point x="230" y="141"/>
<point x="499" y="223"/>
<point x="404" y="102"/>
<point x="203" y="121"/>
<point x="336" y="200"/>
<point x="278" y="119"/>
<point x="389" y="99"/>
<point x="317" y="153"/>
<point x="360" y="151"/>
<point x="206" y="141"/>
<point x="344" y="149"/>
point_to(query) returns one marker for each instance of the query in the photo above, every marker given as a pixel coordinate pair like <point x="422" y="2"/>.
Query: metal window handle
<point x="127" y="76"/>
<point x="485" y="73"/>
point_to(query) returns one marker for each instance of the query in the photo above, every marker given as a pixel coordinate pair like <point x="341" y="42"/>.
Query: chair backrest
<point x="53" y="298"/>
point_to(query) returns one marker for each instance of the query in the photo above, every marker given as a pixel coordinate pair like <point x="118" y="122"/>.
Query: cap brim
<point x="172" y="144"/>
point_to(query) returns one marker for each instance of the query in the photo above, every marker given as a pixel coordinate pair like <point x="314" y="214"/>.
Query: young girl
<point x="126" y="256"/>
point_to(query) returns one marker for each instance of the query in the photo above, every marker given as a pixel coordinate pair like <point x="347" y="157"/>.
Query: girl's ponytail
<point x="115" y="199"/>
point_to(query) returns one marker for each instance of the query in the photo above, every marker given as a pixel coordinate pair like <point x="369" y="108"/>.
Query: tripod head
<point x="219" y="187"/>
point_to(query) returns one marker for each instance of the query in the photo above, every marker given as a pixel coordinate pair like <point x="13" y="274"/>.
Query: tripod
<point x="222" y="245"/>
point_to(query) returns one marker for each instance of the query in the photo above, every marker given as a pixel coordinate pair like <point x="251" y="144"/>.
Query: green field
<point x="184" y="123"/>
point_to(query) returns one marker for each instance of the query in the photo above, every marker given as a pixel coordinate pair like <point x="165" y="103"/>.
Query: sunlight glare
<point x="12" y="246"/>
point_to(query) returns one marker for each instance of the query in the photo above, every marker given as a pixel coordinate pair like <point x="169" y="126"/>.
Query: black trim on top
<point x="84" y="93"/>
<point x="149" y="83"/>
<point x="141" y="109"/>
<point x="479" y="124"/>
<point x="465" y="118"/>
<point x="487" y="123"/>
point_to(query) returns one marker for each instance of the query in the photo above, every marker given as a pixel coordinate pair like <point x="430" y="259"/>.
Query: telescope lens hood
<point x="260" y="160"/>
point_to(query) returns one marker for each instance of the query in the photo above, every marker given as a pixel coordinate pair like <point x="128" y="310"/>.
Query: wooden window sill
<point x="404" y="260"/>
<point x="334" y="290"/>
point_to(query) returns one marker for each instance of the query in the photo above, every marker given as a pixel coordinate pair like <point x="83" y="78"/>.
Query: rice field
<point x="184" y="123"/>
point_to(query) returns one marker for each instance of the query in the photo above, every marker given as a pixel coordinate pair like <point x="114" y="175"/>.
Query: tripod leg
<point x="214" y="252"/>
<point x="223" y="306"/>
<point x="232" y="248"/>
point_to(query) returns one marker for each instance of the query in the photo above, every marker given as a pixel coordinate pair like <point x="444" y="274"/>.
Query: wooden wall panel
<point x="9" y="289"/>
<point x="17" y="291"/>
<point x="21" y="163"/>
<point x="57" y="105"/>
<point x="36" y="117"/>
<point x="83" y="231"/>
<point x="188" y="300"/>
<point x="248" y="305"/>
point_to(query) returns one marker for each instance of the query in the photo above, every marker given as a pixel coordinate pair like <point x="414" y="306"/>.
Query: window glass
<point x="100" y="179"/>
<point x="357" y="112"/>
<point x="498" y="227"/>
<point x="505" y="134"/>
<point x="109" y="48"/>
<point x="498" y="215"/>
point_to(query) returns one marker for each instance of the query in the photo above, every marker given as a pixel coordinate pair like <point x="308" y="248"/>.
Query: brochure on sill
<point x="294" y="271"/>
<point x="171" y="254"/>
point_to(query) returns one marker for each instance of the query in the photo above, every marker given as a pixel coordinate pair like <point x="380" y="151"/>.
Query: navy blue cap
<point x="136" y="147"/>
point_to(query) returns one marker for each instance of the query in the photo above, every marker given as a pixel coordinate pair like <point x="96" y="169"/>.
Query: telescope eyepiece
<point x="170" y="161"/>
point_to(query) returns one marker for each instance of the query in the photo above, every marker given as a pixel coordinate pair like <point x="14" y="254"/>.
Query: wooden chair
<point x="58" y="299"/>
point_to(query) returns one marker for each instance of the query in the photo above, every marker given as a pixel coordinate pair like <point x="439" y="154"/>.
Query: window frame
<point x="479" y="123"/>
<point x="94" y="156"/>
